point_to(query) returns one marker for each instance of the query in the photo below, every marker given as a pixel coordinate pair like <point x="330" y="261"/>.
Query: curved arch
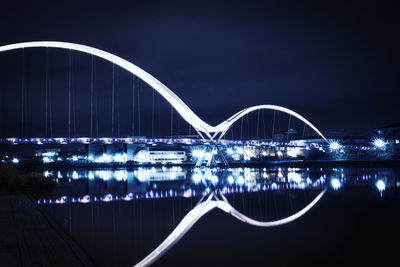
<point x="224" y="126"/>
<point x="225" y="206"/>
<point x="186" y="113"/>
<point x="203" y="208"/>
<point x="183" y="227"/>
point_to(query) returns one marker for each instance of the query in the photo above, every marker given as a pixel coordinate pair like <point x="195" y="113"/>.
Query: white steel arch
<point x="203" y="208"/>
<point x="186" y="113"/>
<point x="224" y="126"/>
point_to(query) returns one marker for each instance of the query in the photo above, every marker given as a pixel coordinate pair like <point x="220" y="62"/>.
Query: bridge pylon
<point x="212" y="156"/>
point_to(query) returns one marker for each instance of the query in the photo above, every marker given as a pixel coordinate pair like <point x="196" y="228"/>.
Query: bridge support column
<point x="215" y="155"/>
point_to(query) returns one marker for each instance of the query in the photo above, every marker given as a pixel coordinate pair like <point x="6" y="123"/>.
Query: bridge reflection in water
<point x="123" y="216"/>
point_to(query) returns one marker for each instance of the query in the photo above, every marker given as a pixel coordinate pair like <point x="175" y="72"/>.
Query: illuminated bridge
<point x="213" y="145"/>
<point x="183" y="110"/>
<point x="110" y="131"/>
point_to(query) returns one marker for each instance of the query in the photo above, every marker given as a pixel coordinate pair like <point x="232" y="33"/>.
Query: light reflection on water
<point x="86" y="185"/>
<point x="120" y="215"/>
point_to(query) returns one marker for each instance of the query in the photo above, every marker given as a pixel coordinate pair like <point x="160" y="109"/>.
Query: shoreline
<point x="31" y="238"/>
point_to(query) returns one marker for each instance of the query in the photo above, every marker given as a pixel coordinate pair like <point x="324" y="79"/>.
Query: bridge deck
<point x="29" y="238"/>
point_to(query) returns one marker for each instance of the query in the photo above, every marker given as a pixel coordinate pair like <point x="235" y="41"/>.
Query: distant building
<point x="161" y="156"/>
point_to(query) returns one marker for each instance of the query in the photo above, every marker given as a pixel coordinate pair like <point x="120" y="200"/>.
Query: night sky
<point x="336" y="63"/>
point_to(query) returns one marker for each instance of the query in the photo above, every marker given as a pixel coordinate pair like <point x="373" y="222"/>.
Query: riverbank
<point x="13" y="181"/>
<point x="30" y="238"/>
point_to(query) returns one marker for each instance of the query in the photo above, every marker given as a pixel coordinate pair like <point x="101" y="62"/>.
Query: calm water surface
<point x="120" y="215"/>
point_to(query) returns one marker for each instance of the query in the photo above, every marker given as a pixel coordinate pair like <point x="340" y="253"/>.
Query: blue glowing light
<point x="84" y="199"/>
<point x="197" y="177"/>
<point x="15" y="160"/>
<point x="380" y="143"/>
<point x="274" y="186"/>
<point x="214" y="179"/>
<point x="107" y="198"/>
<point x="380" y="185"/>
<point x="47" y="160"/>
<point x="336" y="184"/>
<point x="197" y="153"/>
<point x="128" y="197"/>
<point x="61" y="200"/>
<point x="334" y="145"/>
<point x="239" y="150"/>
<point x="240" y="180"/>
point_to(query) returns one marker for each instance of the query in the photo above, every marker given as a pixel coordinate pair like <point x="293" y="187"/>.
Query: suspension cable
<point x="273" y="126"/>
<point x="117" y="106"/>
<point x="22" y="92"/>
<point x="241" y="128"/>
<point x="133" y="105"/>
<point x="152" y="114"/>
<point x="172" y="119"/>
<point x="258" y="122"/>
<point x="288" y="131"/>
<point x="69" y="92"/>
<point x="73" y="96"/>
<point x="138" y="98"/>
<point x="50" y="113"/>
<point x="47" y="91"/>
<point x="96" y="97"/>
<point x="91" y="95"/>
<point x="158" y="116"/>
<point x="112" y="101"/>
<point x="263" y="118"/>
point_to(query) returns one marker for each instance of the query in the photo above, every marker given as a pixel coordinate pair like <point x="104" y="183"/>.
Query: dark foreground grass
<point x="33" y="183"/>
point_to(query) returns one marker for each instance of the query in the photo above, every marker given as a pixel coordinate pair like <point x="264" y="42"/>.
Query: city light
<point x="15" y="160"/>
<point x="107" y="198"/>
<point x="214" y="179"/>
<point x="197" y="177"/>
<point x="120" y="175"/>
<point x="293" y="151"/>
<point x="84" y="199"/>
<point x="61" y="200"/>
<point x="380" y="143"/>
<point x="128" y="197"/>
<point x="240" y="180"/>
<point x="380" y="185"/>
<point x="121" y="158"/>
<point x="105" y="158"/>
<point x="47" y="160"/>
<point x="334" y="145"/>
<point x="274" y="186"/>
<point x="239" y="150"/>
<point x="294" y="177"/>
<point x="336" y="184"/>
